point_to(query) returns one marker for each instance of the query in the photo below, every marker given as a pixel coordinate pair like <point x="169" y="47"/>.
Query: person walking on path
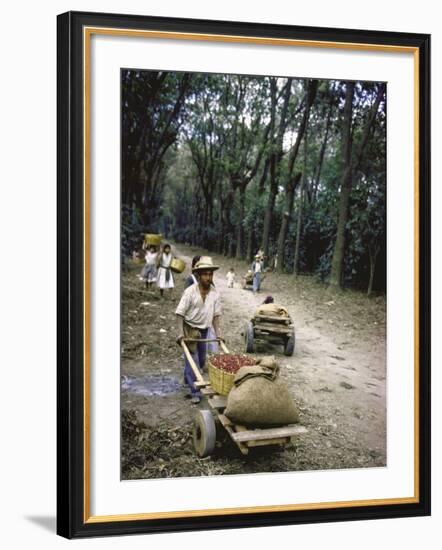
<point x="165" y="277"/>
<point x="198" y="310"/>
<point x="256" y="272"/>
<point x="149" y="272"/>
<point x="212" y="347"/>
<point x="260" y="254"/>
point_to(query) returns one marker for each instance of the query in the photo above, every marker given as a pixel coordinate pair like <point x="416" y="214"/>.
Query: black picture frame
<point x="73" y="518"/>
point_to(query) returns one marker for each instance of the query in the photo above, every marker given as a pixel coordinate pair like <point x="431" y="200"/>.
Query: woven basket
<point x="152" y="239"/>
<point x="177" y="265"/>
<point x="221" y="381"/>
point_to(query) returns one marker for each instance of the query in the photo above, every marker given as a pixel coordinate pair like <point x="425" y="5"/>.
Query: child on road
<point x="230" y="277"/>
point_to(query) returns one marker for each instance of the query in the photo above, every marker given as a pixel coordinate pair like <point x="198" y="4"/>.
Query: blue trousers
<point x="256" y="281"/>
<point x="200" y="359"/>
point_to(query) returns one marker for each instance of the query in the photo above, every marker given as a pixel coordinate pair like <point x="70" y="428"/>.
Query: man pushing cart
<point x="198" y="310"/>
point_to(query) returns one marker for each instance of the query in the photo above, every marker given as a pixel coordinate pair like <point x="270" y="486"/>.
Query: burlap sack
<point x="259" y="398"/>
<point x="268" y="361"/>
<point x="272" y="310"/>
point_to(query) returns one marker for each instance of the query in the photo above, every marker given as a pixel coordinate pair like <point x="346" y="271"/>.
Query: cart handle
<point x="193" y="366"/>
<point x="219" y="340"/>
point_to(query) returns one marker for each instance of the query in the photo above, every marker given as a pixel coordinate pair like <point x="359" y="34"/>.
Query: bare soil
<point x="337" y="377"/>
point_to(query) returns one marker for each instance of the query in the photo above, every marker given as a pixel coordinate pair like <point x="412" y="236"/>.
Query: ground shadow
<point x="49" y="523"/>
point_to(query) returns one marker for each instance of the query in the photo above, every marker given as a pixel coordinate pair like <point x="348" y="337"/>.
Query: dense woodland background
<point x="234" y="163"/>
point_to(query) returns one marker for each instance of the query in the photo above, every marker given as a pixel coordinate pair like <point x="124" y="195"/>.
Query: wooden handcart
<point x="279" y="330"/>
<point x="206" y="420"/>
<point x="247" y="280"/>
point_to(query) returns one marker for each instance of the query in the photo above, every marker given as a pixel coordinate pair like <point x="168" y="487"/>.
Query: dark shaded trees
<point x="245" y="137"/>
<point x="215" y="160"/>
<point x="272" y="168"/>
<point x="292" y="179"/>
<point x="152" y="112"/>
<point x="351" y="161"/>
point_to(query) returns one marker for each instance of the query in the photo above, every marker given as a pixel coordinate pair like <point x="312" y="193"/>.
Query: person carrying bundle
<point x="149" y="272"/>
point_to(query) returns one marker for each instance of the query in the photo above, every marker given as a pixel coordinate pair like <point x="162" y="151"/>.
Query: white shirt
<point x="196" y="312"/>
<point x="166" y="259"/>
<point x="258" y="267"/>
<point x="151" y="257"/>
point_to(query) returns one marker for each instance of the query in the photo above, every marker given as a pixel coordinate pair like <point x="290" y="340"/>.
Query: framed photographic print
<point x="243" y="274"/>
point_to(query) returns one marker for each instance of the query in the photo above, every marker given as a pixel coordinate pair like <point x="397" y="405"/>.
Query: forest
<point x="234" y="163"/>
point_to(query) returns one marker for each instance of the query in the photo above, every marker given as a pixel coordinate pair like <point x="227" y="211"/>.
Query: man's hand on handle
<point x="179" y="339"/>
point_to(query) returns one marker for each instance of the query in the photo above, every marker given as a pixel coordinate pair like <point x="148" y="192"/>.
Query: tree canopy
<point x="233" y="163"/>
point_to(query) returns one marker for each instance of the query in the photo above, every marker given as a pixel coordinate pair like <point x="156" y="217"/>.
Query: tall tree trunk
<point x="205" y="225"/>
<point x="301" y="205"/>
<point x="338" y="253"/>
<point x="226" y="244"/>
<point x="268" y="220"/>
<point x="219" y="243"/>
<point x="240" y="228"/>
<point x="231" y="247"/>
<point x="337" y="266"/>
<point x="288" y="209"/>
<point x="230" y="231"/>
<point x="292" y="182"/>
<point x="373" y="253"/>
<point x="298" y="230"/>
<point x="275" y="156"/>
<point x="322" y="153"/>
<point x="250" y="243"/>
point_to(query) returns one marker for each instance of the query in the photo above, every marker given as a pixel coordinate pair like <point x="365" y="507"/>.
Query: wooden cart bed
<point x="246" y="437"/>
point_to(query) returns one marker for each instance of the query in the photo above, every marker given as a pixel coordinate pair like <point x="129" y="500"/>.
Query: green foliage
<point x="131" y="230"/>
<point x="195" y="145"/>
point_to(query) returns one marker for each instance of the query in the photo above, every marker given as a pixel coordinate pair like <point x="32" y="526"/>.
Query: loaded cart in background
<point x="219" y="391"/>
<point x="247" y="280"/>
<point x="272" y="323"/>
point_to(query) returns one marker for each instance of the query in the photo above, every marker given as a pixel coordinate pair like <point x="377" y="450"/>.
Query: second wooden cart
<point x="272" y="328"/>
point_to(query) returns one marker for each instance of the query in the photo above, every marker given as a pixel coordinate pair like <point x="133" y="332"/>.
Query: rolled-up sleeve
<point x="183" y="305"/>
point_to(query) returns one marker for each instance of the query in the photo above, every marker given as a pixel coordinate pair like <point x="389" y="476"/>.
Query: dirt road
<point x="337" y="376"/>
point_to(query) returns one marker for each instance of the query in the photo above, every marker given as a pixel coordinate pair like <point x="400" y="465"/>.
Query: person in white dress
<point x="149" y="272"/>
<point x="165" y="277"/>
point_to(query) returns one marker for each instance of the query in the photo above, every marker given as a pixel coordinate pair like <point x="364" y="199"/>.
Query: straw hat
<point x="205" y="264"/>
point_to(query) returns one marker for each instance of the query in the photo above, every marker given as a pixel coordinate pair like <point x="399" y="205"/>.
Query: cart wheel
<point x="249" y="334"/>
<point x="204" y="433"/>
<point x="289" y="345"/>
